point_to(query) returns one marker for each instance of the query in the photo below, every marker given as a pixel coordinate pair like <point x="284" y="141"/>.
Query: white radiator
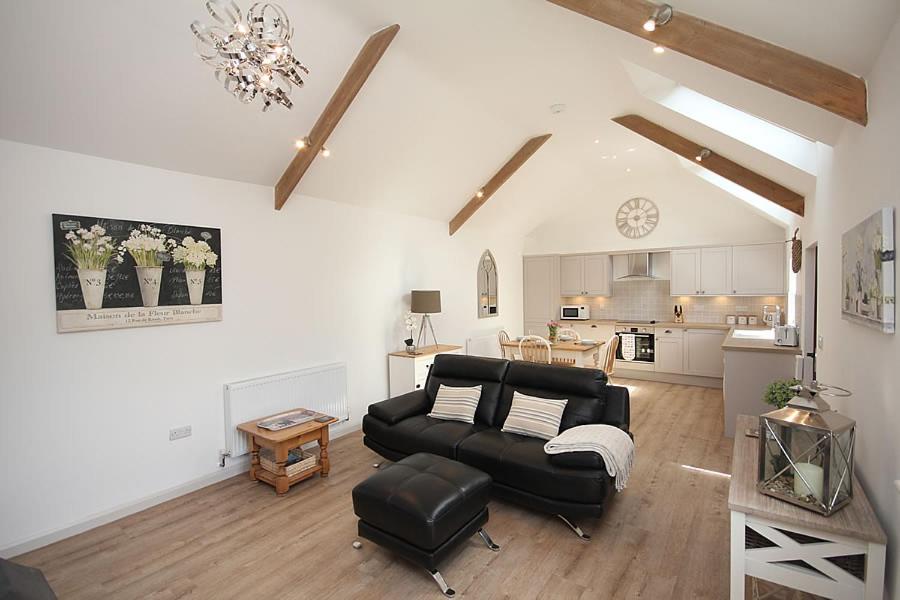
<point x="322" y="388"/>
<point x="483" y="345"/>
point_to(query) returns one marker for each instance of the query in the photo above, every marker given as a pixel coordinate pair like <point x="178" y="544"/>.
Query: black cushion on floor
<point x="520" y="462"/>
<point x="420" y="433"/>
<point x="423" y="499"/>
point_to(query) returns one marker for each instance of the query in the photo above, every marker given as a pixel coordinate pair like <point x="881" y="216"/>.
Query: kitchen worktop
<point x="666" y="324"/>
<point x="755" y="345"/>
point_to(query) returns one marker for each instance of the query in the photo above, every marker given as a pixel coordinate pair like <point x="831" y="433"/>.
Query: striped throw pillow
<point x="534" y="417"/>
<point x="456" y="403"/>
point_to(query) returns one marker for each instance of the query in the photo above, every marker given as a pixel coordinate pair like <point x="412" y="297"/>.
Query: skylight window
<point x="778" y="142"/>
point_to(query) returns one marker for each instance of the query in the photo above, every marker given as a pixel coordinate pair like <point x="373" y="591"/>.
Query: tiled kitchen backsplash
<point x="650" y="300"/>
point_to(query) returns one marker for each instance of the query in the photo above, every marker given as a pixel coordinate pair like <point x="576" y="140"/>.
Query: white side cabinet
<point x="759" y="270"/>
<point x="703" y="354"/>
<point x="408" y="372"/>
<point x="585" y="275"/>
<point x="684" y="274"/>
<point x="669" y="350"/>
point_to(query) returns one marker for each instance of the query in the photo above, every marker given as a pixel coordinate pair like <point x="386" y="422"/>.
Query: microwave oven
<point x="574" y="312"/>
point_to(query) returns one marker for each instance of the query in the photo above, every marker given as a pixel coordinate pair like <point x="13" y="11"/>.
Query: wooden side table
<point x="281" y="443"/>
<point x="841" y="556"/>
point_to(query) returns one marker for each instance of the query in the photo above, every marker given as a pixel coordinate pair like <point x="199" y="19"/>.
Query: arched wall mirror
<point x="487" y="286"/>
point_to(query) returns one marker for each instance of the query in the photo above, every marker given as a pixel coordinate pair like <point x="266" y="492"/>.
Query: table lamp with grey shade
<point x="426" y="303"/>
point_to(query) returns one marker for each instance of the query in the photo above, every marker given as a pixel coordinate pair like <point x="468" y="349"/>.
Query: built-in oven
<point x="636" y="344"/>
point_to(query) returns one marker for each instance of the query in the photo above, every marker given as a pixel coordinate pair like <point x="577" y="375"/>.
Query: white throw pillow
<point x="456" y="403"/>
<point x="534" y="417"/>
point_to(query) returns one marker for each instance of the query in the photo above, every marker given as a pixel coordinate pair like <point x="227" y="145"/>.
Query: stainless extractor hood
<point x="638" y="266"/>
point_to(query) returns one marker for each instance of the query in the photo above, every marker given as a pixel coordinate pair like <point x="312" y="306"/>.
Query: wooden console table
<point x="841" y="556"/>
<point x="281" y="443"/>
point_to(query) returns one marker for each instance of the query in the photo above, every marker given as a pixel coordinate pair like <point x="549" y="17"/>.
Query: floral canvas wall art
<point x="113" y="273"/>
<point x="868" y="272"/>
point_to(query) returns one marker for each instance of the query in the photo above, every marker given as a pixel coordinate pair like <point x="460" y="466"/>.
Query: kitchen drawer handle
<point x="668" y="331"/>
<point x="418" y="386"/>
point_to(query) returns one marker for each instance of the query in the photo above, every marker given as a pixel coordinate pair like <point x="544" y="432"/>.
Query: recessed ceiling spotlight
<point x="657" y="49"/>
<point x="704" y="153"/>
<point x="661" y="16"/>
<point x="628" y="170"/>
<point x="631" y="149"/>
<point x="604" y="157"/>
<point x="596" y="141"/>
<point x="614" y="157"/>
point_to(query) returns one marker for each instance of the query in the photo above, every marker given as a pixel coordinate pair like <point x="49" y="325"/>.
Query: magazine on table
<point x="291" y="419"/>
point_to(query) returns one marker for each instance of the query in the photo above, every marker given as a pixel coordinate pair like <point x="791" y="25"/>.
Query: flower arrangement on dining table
<point x="553" y="329"/>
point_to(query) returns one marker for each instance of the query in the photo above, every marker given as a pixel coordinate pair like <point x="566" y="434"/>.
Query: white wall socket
<point x="179" y="432"/>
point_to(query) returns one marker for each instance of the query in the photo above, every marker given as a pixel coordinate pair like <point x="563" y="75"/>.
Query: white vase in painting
<point x="149" y="278"/>
<point x="93" y="283"/>
<point x="195" y="281"/>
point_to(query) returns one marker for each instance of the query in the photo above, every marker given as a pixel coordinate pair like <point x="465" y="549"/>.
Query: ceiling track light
<point x="325" y="152"/>
<point x="704" y="153"/>
<point x="657" y="49"/>
<point x="479" y="194"/>
<point x="302" y="144"/>
<point x="660" y="17"/>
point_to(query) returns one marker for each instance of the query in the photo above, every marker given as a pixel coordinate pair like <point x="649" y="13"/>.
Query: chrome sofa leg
<point x="447" y="590"/>
<point x="488" y="541"/>
<point x="575" y="528"/>
<point x="376" y="465"/>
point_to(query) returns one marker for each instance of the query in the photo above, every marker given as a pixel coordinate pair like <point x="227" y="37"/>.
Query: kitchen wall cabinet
<point x="684" y="272"/>
<point x="715" y="271"/>
<point x="759" y="270"/>
<point x="540" y="277"/>
<point x="703" y="354"/>
<point x="669" y="350"/>
<point x="585" y="275"/>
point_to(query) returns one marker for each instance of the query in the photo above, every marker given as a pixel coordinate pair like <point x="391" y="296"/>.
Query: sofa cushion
<point x="534" y="417"/>
<point x="456" y="403"/>
<point x="521" y="463"/>
<point x="585" y="389"/>
<point x="457" y="370"/>
<point x="420" y="433"/>
<point x="422" y="499"/>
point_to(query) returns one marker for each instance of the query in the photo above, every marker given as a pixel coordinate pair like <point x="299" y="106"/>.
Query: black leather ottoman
<point x="422" y="508"/>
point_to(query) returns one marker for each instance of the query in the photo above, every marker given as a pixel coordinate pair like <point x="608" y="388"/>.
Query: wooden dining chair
<point x="568" y="331"/>
<point x="534" y="348"/>
<point x="502" y="338"/>
<point x="609" y="361"/>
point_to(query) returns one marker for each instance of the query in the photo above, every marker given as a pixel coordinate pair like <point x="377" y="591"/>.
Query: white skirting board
<point x="237" y="467"/>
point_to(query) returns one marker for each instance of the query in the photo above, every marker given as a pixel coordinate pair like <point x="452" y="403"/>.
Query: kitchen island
<point x="752" y="362"/>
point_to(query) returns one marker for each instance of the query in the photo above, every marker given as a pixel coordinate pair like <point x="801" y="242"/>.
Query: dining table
<point x="578" y="354"/>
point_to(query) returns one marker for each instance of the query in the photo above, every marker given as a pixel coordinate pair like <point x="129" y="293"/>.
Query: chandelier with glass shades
<point x="251" y="58"/>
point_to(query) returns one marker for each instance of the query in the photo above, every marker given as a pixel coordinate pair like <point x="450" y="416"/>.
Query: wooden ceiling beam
<point x="716" y="163"/>
<point x="343" y="96"/>
<point x="775" y="67"/>
<point x="494" y="184"/>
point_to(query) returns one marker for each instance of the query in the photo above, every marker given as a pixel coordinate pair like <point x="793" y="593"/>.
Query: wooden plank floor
<point x="665" y="536"/>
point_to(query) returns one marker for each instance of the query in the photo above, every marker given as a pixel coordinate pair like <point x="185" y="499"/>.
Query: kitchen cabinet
<point x="684" y="272"/>
<point x="585" y="275"/>
<point x="669" y="350"/>
<point x="759" y="270"/>
<point x="540" y="277"/>
<point x="592" y="331"/>
<point x="703" y="354"/>
<point x="701" y="272"/>
<point x="715" y="271"/>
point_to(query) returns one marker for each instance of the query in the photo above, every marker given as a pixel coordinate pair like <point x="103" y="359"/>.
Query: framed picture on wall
<point x="868" y="272"/>
<point x="114" y="273"/>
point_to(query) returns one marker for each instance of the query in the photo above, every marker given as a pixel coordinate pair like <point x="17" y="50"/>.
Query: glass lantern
<point x="806" y="451"/>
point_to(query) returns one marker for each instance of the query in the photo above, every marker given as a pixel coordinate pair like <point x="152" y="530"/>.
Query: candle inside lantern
<point x="814" y="476"/>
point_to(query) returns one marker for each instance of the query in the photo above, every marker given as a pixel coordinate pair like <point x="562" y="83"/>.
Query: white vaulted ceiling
<point x="464" y="84"/>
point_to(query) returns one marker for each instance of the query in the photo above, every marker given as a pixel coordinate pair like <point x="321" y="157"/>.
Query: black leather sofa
<point x="572" y="485"/>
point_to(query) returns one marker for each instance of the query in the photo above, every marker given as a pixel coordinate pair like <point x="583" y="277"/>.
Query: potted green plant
<point x="779" y="392"/>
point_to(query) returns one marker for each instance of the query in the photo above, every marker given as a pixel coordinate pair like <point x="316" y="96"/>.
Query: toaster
<point x="787" y="335"/>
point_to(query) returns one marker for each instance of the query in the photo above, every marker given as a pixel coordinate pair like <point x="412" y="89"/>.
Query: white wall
<point x="84" y="417"/>
<point x="692" y="212"/>
<point x="857" y="178"/>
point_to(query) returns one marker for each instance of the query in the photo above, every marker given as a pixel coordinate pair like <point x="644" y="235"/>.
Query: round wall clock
<point x="637" y="217"/>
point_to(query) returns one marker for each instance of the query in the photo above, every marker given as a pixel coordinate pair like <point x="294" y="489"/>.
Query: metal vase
<point x="195" y="281"/>
<point x="149" y="278"/>
<point x="93" y="283"/>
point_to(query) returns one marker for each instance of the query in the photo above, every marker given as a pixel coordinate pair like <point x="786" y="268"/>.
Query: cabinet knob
<point x="668" y="331"/>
